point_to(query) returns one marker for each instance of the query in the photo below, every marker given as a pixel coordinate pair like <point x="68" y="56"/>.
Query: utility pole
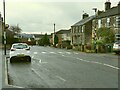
<point x="54" y="36"/>
<point x="4" y="28"/>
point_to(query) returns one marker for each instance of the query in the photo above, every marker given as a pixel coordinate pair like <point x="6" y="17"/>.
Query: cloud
<point x="40" y="15"/>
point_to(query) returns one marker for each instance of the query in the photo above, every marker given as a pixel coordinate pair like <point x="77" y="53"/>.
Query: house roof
<point x="24" y="35"/>
<point x="84" y="21"/>
<point x="38" y="35"/>
<point x="62" y="31"/>
<point x="111" y="12"/>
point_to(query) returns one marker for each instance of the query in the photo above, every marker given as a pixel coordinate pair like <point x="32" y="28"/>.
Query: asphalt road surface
<point x="60" y="68"/>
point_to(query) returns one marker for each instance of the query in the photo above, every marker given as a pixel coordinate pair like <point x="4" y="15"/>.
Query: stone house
<point x="81" y="33"/>
<point x="64" y="37"/>
<point x="110" y="18"/>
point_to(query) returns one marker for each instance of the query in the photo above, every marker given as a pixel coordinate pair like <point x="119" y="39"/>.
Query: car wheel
<point x="28" y="58"/>
<point x="11" y="60"/>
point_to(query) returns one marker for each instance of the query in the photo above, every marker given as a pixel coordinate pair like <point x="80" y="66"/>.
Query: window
<point x="117" y="21"/>
<point x="99" y="23"/>
<point x="108" y="22"/>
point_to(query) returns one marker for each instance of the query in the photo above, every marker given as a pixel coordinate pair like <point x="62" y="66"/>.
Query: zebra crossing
<point x="44" y="52"/>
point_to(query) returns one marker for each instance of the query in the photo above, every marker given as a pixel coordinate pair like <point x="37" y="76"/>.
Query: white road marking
<point x="80" y="59"/>
<point x="63" y="55"/>
<point x="53" y="52"/>
<point x="98" y="63"/>
<point x="32" y="56"/>
<point x="59" y="52"/>
<point x="111" y="66"/>
<point x="35" y="52"/>
<point x="40" y="61"/>
<point x="35" y="72"/>
<point x="43" y="52"/>
<point x="76" y="53"/>
<point x="61" y="78"/>
<point x="68" y="52"/>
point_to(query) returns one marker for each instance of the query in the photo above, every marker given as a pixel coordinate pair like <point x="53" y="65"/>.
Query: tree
<point x="55" y="39"/>
<point x="44" y="40"/>
<point x="105" y="35"/>
<point x="15" y="29"/>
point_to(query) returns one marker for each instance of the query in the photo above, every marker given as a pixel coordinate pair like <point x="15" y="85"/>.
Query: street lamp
<point x="54" y="36"/>
<point x="5" y="26"/>
<point x="95" y="38"/>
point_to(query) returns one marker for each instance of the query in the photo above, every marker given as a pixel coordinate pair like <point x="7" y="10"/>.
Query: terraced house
<point x="109" y="18"/>
<point x="81" y="33"/>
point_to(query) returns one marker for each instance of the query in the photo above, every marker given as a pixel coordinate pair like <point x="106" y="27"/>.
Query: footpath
<point x="0" y="69"/>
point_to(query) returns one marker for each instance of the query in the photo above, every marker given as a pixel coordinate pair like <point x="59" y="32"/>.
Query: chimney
<point x="107" y="5"/>
<point x="85" y="15"/>
<point x="119" y="3"/>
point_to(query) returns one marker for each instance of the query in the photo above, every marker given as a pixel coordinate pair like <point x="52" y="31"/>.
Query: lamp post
<point x="54" y="36"/>
<point x="4" y="27"/>
<point x="95" y="38"/>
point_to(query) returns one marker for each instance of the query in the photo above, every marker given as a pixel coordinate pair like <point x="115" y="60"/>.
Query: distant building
<point x="38" y="37"/>
<point x="81" y="32"/>
<point x="26" y="38"/>
<point x="64" y="37"/>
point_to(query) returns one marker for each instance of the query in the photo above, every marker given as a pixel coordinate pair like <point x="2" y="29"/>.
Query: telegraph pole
<point x="4" y="28"/>
<point x="54" y="35"/>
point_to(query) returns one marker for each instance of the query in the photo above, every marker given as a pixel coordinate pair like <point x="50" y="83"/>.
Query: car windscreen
<point x="117" y="42"/>
<point x="20" y="46"/>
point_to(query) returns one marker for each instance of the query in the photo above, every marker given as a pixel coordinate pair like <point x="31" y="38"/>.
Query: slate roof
<point x="111" y="12"/>
<point x="84" y="21"/>
<point x="63" y="31"/>
<point x="26" y="35"/>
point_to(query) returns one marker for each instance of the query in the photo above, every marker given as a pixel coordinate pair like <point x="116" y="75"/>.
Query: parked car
<point x="20" y="51"/>
<point x="116" y="47"/>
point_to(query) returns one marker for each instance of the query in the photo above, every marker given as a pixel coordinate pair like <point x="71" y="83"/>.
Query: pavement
<point x="0" y="69"/>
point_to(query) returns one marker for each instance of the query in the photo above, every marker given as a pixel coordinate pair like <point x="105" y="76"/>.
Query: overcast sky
<point x="39" y="16"/>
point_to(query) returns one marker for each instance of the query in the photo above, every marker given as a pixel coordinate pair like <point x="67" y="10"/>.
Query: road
<point x="60" y="68"/>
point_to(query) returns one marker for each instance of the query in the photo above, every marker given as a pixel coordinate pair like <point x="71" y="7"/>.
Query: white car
<point x="116" y="47"/>
<point x="20" y="51"/>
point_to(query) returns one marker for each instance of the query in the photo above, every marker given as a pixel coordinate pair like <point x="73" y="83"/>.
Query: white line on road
<point x="111" y="66"/>
<point x="76" y="53"/>
<point x="63" y="55"/>
<point x="35" y="72"/>
<point x="59" y="52"/>
<point x="40" y="61"/>
<point x="98" y="63"/>
<point x="35" y="52"/>
<point x="53" y="52"/>
<point x="61" y="78"/>
<point x="43" y="52"/>
<point x="68" y="52"/>
<point x="32" y="56"/>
